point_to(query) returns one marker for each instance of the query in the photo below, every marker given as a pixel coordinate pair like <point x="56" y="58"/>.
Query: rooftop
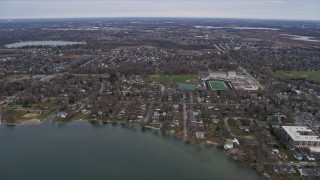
<point x="295" y="132"/>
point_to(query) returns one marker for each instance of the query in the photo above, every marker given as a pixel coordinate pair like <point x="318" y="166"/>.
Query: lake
<point x="237" y="28"/>
<point x="82" y="150"/>
<point x="301" y="38"/>
<point x="42" y="43"/>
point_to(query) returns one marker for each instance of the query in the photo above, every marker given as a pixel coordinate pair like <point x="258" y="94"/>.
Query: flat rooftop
<point x="294" y="133"/>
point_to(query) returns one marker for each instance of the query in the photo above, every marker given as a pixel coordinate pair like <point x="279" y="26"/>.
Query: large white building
<point x="301" y="136"/>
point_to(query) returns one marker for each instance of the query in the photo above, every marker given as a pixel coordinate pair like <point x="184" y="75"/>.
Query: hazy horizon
<point x="243" y="9"/>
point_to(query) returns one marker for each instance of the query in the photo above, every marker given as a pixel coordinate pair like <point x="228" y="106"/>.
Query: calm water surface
<point x="82" y="150"/>
<point x="42" y="43"/>
<point x="301" y="38"/>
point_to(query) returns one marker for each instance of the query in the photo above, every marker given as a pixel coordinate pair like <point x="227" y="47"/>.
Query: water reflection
<point x="42" y="43"/>
<point x="80" y="150"/>
<point x="9" y="125"/>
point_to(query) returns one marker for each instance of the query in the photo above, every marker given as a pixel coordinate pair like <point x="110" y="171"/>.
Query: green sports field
<point x="217" y="85"/>
<point x="309" y="75"/>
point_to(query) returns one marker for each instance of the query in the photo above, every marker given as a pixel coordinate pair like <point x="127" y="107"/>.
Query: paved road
<point x="302" y="163"/>
<point x="103" y="85"/>
<point x="208" y="104"/>
<point x="185" y="121"/>
<point x="251" y="77"/>
<point x="162" y="88"/>
<point x="150" y="110"/>
<point x="191" y="97"/>
<point x="228" y="127"/>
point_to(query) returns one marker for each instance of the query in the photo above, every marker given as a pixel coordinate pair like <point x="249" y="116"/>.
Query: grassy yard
<point x="44" y="115"/>
<point x="287" y="152"/>
<point x="211" y="133"/>
<point x="16" y="113"/>
<point x="167" y="79"/>
<point x="74" y="117"/>
<point x="237" y="131"/>
<point x="169" y="128"/>
<point x="78" y="116"/>
<point x="309" y="75"/>
<point x="43" y="104"/>
<point x="18" y="116"/>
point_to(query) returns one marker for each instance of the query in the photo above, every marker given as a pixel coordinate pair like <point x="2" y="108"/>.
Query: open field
<point x="167" y="79"/>
<point x="74" y="117"/>
<point x="79" y="116"/>
<point x="237" y="131"/>
<point x="217" y="85"/>
<point x="30" y="115"/>
<point x="309" y="75"/>
<point x="44" y="115"/>
<point x="47" y="104"/>
<point x="18" y="116"/>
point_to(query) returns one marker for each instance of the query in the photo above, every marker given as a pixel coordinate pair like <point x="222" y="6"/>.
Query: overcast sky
<point x="257" y="9"/>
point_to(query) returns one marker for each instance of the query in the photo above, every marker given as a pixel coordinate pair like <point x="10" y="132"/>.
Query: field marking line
<point x="225" y="86"/>
<point x="210" y="85"/>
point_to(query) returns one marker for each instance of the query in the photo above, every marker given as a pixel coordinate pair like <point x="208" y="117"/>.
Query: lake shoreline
<point x="187" y="140"/>
<point x="49" y="43"/>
